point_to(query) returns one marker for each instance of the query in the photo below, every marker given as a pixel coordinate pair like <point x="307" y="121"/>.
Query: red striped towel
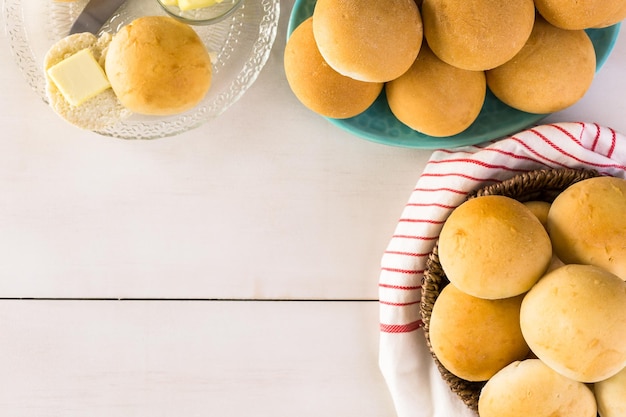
<point x="413" y="380"/>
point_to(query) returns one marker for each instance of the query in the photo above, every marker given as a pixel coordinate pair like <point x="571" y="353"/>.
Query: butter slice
<point x="79" y="77"/>
<point x="196" y="4"/>
<point x="169" y="2"/>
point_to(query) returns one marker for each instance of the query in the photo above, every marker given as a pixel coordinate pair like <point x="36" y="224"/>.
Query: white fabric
<point x="415" y="384"/>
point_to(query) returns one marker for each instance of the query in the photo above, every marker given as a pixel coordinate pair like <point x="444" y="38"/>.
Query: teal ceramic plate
<point x="495" y="120"/>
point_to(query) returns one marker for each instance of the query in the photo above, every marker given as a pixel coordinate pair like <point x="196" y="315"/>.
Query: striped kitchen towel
<point x="411" y="375"/>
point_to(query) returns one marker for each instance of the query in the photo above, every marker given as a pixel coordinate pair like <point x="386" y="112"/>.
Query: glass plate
<point x="495" y="120"/>
<point x="239" y="47"/>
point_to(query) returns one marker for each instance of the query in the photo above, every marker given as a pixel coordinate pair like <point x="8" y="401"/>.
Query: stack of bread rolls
<point x="536" y="304"/>
<point x="437" y="58"/>
<point x="155" y="65"/>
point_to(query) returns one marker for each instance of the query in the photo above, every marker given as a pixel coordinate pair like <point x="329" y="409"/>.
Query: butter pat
<point x="169" y="2"/>
<point x="196" y="4"/>
<point x="79" y="77"/>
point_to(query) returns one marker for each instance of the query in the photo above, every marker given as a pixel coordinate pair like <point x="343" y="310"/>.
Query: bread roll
<point x="587" y="224"/>
<point x="582" y="14"/>
<point x="530" y="388"/>
<point x="574" y="320"/>
<point x="493" y="247"/>
<point x="368" y="40"/>
<point x="319" y="87"/>
<point x="474" y="338"/>
<point x="551" y="72"/>
<point x="477" y="35"/>
<point x="98" y="112"/>
<point x="158" y="66"/>
<point x="540" y="209"/>
<point x="435" y="98"/>
<point x="611" y="395"/>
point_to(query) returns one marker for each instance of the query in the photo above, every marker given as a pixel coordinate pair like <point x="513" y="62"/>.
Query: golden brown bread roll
<point x="494" y="247"/>
<point x="319" y="87"/>
<point x="574" y="320"/>
<point x="552" y="71"/>
<point x="540" y="209"/>
<point x="158" y="66"/>
<point x="435" y="98"/>
<point x="587" y="224"/>
<point x="582" y="14"/>
<point x="368" y="40"/>
<point x="477" y="35"/>
<point x="530" y="388"/>
<point x="474" y="338"/>
<point x="611" y="395"/>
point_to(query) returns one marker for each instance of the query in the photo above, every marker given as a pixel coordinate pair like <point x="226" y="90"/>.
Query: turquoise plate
<point x="495" y="120"/>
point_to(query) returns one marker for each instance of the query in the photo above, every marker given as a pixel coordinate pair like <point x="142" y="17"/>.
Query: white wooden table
<point x="229" y="271"/>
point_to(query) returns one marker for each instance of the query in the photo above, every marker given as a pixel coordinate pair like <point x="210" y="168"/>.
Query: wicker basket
<point x="543" y="185"/>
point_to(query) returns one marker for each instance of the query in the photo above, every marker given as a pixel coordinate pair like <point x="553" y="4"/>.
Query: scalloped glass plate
<point x="495" y="120"/>
<point x="239" y="47"/>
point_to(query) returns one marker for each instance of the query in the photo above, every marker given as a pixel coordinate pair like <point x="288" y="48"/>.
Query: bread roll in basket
<point x="539" y="185"/>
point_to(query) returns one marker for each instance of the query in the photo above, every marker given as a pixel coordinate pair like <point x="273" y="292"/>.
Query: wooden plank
<point x="268" y="201"/>
<point x="167" y="358"/>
